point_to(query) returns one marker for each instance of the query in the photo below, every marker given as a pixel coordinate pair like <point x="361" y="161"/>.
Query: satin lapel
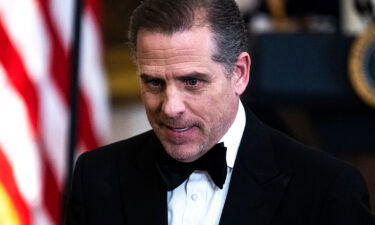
<point x="256" y="186"/>
<point x="144" y="195"/>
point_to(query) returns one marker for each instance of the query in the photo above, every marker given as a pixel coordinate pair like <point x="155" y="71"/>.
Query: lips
<point x="179" y="134"/>
<point x="179" y="129"/>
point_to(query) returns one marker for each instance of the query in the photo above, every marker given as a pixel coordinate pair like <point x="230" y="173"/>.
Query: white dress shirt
<point x="198" y="201"/>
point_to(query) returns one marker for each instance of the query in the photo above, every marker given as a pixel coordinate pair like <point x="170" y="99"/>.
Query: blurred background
<point x="312" y="76"/>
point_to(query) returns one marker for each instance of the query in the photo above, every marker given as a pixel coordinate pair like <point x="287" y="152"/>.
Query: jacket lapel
<point x="144" y="195"/>
<point x="256" y="186"/>
<point x="255" y="176"/>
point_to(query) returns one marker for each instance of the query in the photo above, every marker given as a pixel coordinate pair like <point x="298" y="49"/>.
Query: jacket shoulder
<point x="124" y="149"/>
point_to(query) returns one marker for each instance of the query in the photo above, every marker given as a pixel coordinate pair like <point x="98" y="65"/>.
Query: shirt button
<point x="194" y="197"/>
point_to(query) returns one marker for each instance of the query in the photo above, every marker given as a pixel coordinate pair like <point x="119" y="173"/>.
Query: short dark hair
<point x="170" y="16"/>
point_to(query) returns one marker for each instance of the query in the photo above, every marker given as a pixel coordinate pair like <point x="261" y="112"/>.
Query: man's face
<point x="189" y="100"/>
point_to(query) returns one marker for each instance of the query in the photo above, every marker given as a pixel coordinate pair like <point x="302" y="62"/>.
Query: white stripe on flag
<point x="54" y="129"/>
<point x="63" y="16"/>
<point x="24" y="24"/>
<point x="92" y="77"/>
<point x="18" y="144"/>
<point x="32" y="44"/>
<point x="26" y="30"/>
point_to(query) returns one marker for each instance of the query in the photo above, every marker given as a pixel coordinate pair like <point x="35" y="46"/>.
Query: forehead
<point x="191" y="46"/>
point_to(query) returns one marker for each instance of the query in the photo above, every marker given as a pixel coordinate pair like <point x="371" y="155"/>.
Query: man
<point x="193" y="65"/>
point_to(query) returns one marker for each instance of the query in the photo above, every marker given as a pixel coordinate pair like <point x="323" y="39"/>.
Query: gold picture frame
<point x="361" y="61"/>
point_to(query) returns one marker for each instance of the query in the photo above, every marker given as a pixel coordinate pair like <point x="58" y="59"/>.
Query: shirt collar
<point x="232" y="138"/>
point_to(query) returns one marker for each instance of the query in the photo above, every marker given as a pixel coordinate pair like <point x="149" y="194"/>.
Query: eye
<point x="192" y="81"/>
<point x="152" y="84"/>
<point x="155" y="82"/>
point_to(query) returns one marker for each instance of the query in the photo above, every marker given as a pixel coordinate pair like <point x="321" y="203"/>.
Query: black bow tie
<point x="174" y="173"/>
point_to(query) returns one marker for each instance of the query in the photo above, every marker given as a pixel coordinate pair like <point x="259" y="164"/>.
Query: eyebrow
<point x="196" y="75"/>
<point x="147" y="77"/>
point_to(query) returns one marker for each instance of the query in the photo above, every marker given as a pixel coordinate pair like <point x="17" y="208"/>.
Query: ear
<point x="241" y="73"/>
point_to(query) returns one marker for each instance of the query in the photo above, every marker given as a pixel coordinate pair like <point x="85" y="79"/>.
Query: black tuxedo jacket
<point x="275" y="181"/>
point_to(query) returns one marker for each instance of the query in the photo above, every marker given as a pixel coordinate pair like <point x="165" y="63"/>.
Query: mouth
<point x="178" y="134"/>
<point x="179" y="129"/>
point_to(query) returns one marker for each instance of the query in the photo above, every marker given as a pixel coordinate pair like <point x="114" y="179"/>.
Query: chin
<point x="184" y="153"/>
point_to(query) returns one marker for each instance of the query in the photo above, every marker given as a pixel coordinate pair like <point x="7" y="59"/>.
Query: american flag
<point x="35" y="51"/>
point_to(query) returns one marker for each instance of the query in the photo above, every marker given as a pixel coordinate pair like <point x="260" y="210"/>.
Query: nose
<point x="173" y="103"/>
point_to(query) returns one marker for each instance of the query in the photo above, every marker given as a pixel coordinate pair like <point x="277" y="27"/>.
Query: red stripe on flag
<point x="18" y="77"/>
<point x="7" y="179"/>
<point x="51" y="192"/>
<point x="60" y="75"/>
<point x="59" y="62"/>
<point x="85" y="125"/>
<point x="94" y="7"/>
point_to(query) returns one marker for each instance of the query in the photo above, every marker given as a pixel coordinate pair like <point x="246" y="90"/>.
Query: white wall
<point x="128" y="120"/>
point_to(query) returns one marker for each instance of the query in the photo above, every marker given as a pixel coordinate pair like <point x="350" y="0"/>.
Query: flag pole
<point x="73" y="98"/>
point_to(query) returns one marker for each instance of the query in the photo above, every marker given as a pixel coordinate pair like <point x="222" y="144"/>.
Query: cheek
<point x="151" y="102"/>
<point x="221" y="103"/>
<point x="207" y="107"/>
